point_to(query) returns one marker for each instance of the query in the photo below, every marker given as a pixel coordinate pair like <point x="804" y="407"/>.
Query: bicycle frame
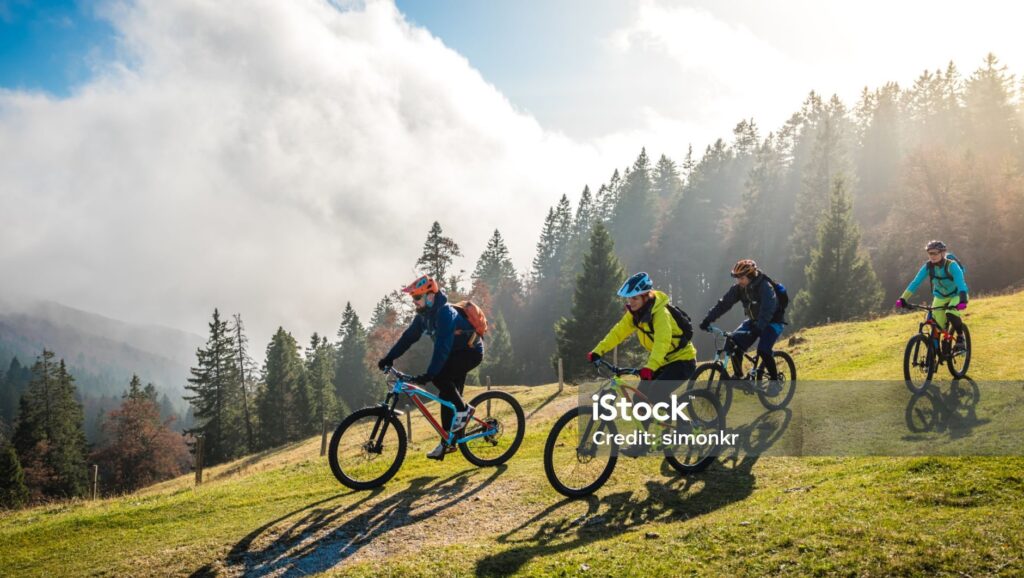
<point x="721" y="359"/>
<point x="415" y="393"/>
<point x="933" y="331"/>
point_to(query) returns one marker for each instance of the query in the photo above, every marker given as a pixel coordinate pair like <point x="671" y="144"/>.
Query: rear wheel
<point x="575" y="465"/>
<point x="500" y="417"/>
<point x="960" y="358"/>
<point x="778" y="396"/>
<point x="918" y="363"/>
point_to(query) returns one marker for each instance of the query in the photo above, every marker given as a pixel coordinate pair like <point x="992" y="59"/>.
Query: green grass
<point x="282" y="512"/>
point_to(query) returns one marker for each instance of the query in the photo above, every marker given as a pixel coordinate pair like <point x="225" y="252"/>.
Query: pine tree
<point x="216" y="395"/>
<point x="283" y="404"/>
<point x="320" y="381"/>
<point x="495" y="270"/>
<point x="246" y="380"/>
<point x="666" y="181"/>
<point x="993" y="125"/>
<point x="439" y="253"/>
<point x="354" y="386"/>
<point x="49" y="436"/>
<point x="633" y="220"/>
<point x="841" y="284"/>
<point x="595" y="307"/>
<point x="13" y="493"/>
<point x="544" y="261"/>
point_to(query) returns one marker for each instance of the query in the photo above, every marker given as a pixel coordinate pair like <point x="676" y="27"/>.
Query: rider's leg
<point x="764" y="349"/>
<point x="667" y="379"/>
<point x="743" y="337"/>
<point x="447" y="386"/>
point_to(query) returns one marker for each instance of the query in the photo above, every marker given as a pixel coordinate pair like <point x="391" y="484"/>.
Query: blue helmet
<point x="635" y="285"/>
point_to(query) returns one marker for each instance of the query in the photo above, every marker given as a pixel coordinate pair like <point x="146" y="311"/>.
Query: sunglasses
<point x="933" y="253"/>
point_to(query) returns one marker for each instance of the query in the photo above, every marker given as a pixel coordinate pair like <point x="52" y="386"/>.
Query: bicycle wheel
<point x="500" y="414"/>
<point x="918" y="363"/>
<point x="787" y="381"/>
<point x="959" y="361"/>
<point x="690" y="453"/>
<point x="713" y="379"/>
<point x="361" y="455"/>
<point x="575" y="465"/>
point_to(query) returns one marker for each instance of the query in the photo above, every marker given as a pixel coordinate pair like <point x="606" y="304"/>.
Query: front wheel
<point x="575" y="465"/>
<point x="367" y="448"/>
<point x="496" y="430"/>
<point x="918" y="363"/>
<point x="960" y="358"/>
<point x="778" y="395"/>
<point x="711" y="377"/>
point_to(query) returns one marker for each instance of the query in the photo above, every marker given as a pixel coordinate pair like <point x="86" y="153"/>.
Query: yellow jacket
<point x="666" y="335"/>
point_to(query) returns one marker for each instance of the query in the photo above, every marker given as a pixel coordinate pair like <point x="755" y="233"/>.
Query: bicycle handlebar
<point x="398" y="374"/>
<point x="600" y="362"/>
<point x="917" y="307"/>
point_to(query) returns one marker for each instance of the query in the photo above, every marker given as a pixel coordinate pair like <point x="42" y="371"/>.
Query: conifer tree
<point x="216" y="395"/>
<point x="439" y="253"/>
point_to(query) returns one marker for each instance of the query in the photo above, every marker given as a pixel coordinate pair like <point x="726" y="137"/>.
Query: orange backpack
<point x="475" y="315"/>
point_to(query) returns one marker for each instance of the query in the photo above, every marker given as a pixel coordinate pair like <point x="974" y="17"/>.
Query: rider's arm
<point x="921" y="275"/>
<point x="724" y="304"/>
<point x="443" y="340"/>
<point x="769" y="303"/>
<point x="623" y="329"/>
<point x="958" y="277"/>
<point x="662" y="339"/>
<point x="409" y="336"/>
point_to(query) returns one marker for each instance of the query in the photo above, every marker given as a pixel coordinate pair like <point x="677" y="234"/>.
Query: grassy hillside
<point x="282" y="513"/>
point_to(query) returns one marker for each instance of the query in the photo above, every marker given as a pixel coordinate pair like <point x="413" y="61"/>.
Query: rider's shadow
<point x="322" y="538"/>
<point x="572" y="523"/>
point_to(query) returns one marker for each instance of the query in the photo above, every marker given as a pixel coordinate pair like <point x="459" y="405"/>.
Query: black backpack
<point x="684" y="323"/>
<point x="780" y="293"/>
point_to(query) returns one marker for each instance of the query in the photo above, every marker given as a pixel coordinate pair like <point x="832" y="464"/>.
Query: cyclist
<point x="949" y="289"/>
<point x="457" y="350"/>
<point x="661" y="329"/>
<point x="764" y="303"/>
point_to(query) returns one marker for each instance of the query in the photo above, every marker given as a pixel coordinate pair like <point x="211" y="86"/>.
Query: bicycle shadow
<point x="322" y="538"/>
<point x="564" y="527"/>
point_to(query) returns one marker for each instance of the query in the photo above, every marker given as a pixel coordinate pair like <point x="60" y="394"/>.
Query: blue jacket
<point x="440" y="322"/>
<point x="759" y="303"/>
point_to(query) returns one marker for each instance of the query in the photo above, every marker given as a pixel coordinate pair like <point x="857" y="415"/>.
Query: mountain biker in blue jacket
<point x="457" y="350"/>
<point x="765" y="318"/>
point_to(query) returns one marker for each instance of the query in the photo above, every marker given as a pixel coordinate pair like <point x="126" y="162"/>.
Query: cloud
<point x="274" y="161"/>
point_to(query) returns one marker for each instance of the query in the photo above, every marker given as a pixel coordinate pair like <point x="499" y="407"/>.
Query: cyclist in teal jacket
<point x="949" y="289"/>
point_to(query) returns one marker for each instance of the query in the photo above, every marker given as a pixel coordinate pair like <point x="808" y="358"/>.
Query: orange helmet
<point x="744" y="268"/>
<point x="422" y="286"/>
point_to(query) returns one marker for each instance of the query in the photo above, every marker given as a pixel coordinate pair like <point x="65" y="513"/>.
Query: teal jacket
<point x="949" y="280"/>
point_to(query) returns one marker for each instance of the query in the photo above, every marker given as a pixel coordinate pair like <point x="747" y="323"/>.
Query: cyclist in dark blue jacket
<point x="457" y="350"/>
<point x="765" y="316"/>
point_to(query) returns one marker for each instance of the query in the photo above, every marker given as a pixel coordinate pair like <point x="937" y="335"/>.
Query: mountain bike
<point x="369" y="445"/>
<point x="932" y="346"/>
<point x="576" y="465"/>
<point x="748" y="374"/>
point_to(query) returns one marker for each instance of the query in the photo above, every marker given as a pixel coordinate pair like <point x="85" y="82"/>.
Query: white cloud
<point x="275" y="160"/>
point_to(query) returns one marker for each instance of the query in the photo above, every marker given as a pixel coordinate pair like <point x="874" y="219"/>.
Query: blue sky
<point x="50" y="46"/>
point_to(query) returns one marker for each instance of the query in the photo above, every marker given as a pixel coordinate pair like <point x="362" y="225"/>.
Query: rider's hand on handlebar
<point x="384" y="363"/>
<point x="646" y="374"/>
<point x="961" y="306"/>
<point x="901" y="304"/>
<point x="592" y="357"/>
<point x="705" y="325"/>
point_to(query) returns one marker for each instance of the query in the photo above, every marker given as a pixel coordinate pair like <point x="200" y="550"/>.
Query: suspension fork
<point x="381" y="427"/>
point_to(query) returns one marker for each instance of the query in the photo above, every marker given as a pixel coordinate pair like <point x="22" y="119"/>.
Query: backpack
<point x="945" y="267"/>
<point x="684" y="323"/>
<point x="475" y="315"/>
<point x="781" y="294"/>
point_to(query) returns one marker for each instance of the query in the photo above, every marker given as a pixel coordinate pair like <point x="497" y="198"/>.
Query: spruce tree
<point x="49" y="436"/>
<point x="595" y="307"/>
<point x="841" y="284"/>
<point x="494" y="268"/>
<point x="438" y="254"/>
<point x="246" y="380"/>
<point x="13" y="492"/>
<point x="320" y="381"/>
<point x="216" y="395"/>
<point x="355" y="386"/>
<point x="284" y="402"/>
<point x="633" y="220"/>
<point x="666" y="182"/>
